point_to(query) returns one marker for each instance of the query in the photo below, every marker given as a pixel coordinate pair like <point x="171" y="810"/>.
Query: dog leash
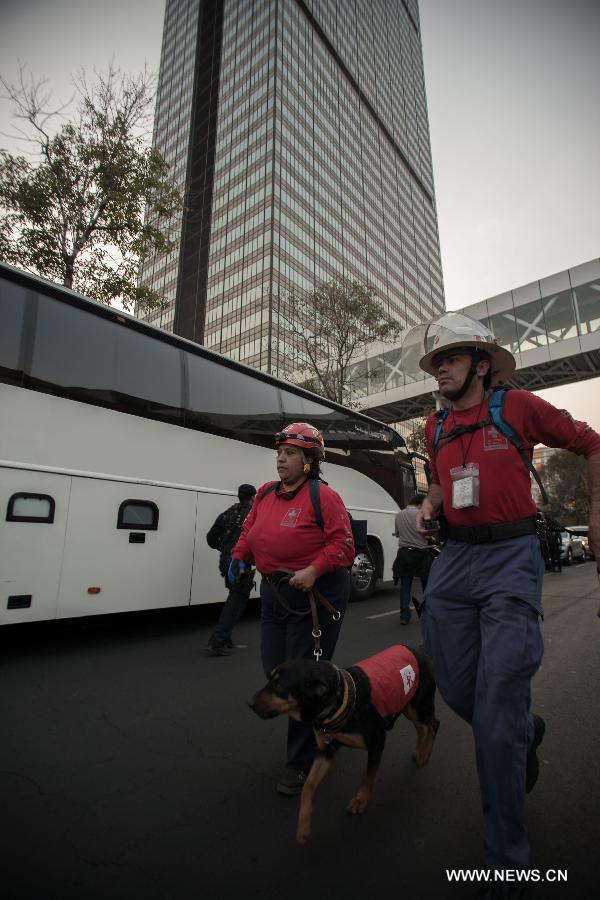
<point x="274" y="579"/>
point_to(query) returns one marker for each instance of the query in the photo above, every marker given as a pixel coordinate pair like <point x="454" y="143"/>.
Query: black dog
<point x="354" y="707"/>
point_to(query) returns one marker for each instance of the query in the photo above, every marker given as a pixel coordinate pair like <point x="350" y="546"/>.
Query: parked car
<point x="571" y="547"/>
<point x="581" y="531"/>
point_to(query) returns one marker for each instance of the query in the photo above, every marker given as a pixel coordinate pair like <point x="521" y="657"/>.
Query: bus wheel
<point x="363" y="576"/>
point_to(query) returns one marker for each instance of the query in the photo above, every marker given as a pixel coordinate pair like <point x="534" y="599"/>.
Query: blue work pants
<point x="406" y="595"/>
<point x="481" y="626"/>
<point x="286" y="636"/>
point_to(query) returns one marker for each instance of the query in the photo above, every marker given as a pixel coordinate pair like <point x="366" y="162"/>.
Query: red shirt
<point x="504" y="481"/>
<point x="281" y="532"/>
<point x="394" y="677"/>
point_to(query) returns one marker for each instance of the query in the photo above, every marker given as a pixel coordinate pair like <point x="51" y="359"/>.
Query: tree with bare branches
<point x="325" y="332"/>
<point x="72" y="210"/>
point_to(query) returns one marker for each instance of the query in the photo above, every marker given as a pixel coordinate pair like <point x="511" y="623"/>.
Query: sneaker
<point x="218" y="650"/>
<point x="292" y="781"/>
<point x="533" y="763"/>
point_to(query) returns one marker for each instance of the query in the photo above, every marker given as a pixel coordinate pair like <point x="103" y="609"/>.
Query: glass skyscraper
<point x="298" y="131"/>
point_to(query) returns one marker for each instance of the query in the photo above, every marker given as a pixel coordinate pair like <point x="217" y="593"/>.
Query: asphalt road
<point x="131" y="767"/>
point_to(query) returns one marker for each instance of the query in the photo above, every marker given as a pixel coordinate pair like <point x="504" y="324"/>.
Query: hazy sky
<point x="513" y="89"/>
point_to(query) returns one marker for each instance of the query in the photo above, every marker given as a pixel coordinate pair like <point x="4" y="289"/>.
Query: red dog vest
<point x="394" y="677"/>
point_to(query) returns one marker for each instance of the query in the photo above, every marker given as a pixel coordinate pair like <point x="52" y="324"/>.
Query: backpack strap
<point x="269" y="488"/>
<point x="315" y="496"/>
<point x="441" y="416"/>
<point x="495" y="407"/>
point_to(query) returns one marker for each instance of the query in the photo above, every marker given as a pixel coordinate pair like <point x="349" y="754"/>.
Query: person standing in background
<point x="413" y="559"/>
<point x="223" y="536"/>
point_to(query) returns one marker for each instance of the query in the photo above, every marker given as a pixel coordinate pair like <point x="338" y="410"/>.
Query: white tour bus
<point x="120" y="444"/>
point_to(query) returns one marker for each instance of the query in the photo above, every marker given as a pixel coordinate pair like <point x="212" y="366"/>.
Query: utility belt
<point x="485" y="534"/>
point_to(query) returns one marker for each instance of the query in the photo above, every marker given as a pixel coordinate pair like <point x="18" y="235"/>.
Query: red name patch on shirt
<point x="494" y="439"/>
<point x="291" y="517"/>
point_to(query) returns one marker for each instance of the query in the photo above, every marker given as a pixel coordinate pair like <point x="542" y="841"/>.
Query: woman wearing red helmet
<point x="283" y="533"/>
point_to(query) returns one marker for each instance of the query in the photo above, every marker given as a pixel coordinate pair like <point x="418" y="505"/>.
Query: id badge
<point x="465" y="486"/>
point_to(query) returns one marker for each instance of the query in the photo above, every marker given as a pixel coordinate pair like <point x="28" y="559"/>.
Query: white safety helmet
<point x="453" y="331"/>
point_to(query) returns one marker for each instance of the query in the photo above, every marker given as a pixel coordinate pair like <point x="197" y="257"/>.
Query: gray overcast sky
<point x="513" y="90"/>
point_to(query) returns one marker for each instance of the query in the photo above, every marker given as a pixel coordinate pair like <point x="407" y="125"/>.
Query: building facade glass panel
<point x="317" y="164"/>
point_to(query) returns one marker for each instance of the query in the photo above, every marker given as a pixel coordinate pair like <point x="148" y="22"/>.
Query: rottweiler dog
<point x="354" y="707"/>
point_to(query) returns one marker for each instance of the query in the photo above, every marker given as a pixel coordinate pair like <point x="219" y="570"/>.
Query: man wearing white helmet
<point x="483" y="599"/>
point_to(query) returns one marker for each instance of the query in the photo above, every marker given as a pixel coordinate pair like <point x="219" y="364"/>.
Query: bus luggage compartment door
<point x="34" y="507"/>
<point x="130" y="575"/>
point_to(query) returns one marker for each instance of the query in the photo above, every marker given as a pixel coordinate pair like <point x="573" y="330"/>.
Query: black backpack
<point x="226" y="529"/>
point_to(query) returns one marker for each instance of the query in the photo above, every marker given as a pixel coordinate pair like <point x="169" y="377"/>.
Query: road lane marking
<point x="393" y="612"/>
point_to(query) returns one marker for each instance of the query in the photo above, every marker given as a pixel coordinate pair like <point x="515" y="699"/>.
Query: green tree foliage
<point x="73" y="211"/>
<point x="324" y="333"/>
<point x="565" y="479"/>
<point x="416" y="439"/>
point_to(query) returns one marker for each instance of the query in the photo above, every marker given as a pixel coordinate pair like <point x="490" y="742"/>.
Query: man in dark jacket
<point x="223" y="536"/>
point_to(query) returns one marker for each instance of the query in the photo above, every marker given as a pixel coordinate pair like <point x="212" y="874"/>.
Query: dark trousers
<point x="232" y="610"/>
<point x="480" y="625"/>
<point x="406" y="595"/>
<point x="287" y="636"/>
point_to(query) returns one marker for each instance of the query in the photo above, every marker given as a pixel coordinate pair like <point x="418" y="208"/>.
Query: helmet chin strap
<point x="460" y="393"/>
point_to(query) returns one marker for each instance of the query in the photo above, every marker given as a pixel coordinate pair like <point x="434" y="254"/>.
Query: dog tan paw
<point x="357" y="806"/>
<point x="418" y="759"/>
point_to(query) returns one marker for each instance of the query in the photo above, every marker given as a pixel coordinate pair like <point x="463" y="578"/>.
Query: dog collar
<point x="345" y="710"/>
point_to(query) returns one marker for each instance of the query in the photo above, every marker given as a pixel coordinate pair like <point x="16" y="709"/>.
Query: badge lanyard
<point x="465" y="478"/>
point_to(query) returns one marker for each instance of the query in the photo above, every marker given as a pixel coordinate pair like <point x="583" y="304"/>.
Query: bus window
<point x="30" y="508"/>
<point x="81" y="354"/>
<point x="138" y="514"/>
<point x="13" y="310"/>
<point x="229" y="402"/>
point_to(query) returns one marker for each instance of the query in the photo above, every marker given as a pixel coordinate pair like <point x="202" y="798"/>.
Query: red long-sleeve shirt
<point x="281" y="532"/>
<point x="505" y="486"/>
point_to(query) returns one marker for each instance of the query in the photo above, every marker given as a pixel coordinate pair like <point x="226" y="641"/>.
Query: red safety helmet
<point x="303" y="435"/>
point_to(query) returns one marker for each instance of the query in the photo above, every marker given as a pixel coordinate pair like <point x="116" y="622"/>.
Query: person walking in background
<point x="299" y="535"/>
<point x="222" y="536"/>
<point x="413" y="559"/>
<point x="483" y="600"/>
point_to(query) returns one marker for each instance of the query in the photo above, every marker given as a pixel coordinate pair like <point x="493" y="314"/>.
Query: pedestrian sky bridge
<point x="551" y="326"/>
